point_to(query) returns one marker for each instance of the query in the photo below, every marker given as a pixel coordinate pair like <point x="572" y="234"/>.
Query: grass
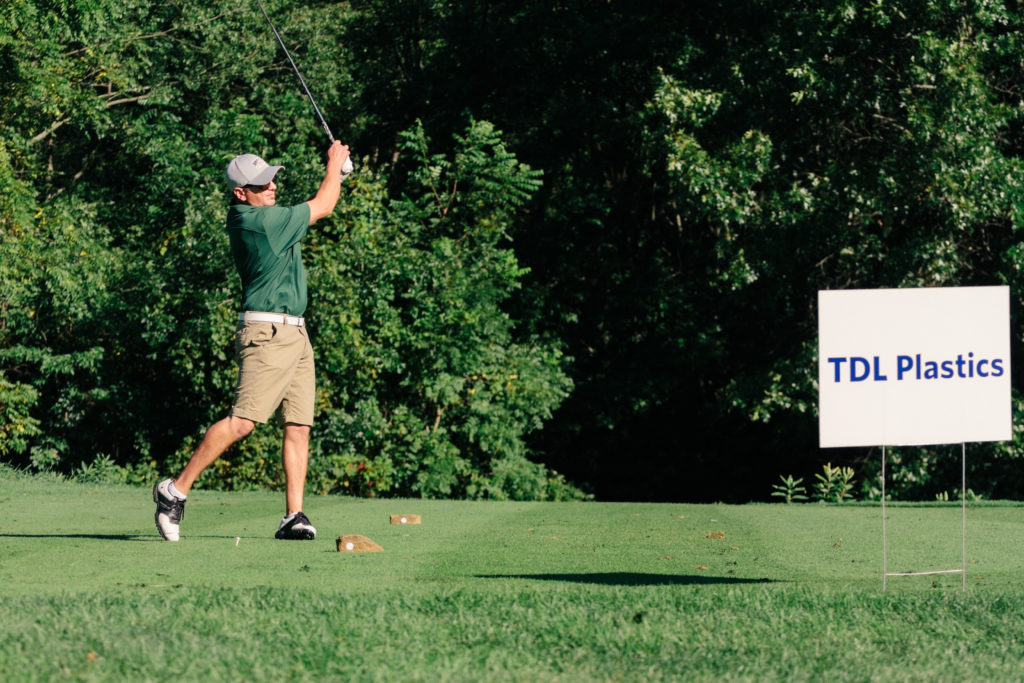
<point x="501" y="591"/>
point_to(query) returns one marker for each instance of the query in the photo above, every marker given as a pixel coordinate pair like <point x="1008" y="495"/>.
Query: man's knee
<point x="296" y="431"/>
<point x="240" y="426"/>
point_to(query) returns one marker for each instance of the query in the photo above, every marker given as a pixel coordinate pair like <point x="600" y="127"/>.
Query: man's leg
<point x="169" y="494"/>
<point x="218" y="439"/>
<point x="295" y="455"/>
<point x="297" y="407"/>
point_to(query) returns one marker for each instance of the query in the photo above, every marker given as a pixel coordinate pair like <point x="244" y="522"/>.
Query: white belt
<point x="279" y="318"/>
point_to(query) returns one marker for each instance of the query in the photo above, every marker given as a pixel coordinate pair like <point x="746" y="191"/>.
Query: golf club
<point x="348" y="163"/>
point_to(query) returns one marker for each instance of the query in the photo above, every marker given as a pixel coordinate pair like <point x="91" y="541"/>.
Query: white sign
<point x="908" y="367"/>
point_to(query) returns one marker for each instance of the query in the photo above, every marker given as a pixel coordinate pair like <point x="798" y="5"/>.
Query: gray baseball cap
<point x="249" y="169"/>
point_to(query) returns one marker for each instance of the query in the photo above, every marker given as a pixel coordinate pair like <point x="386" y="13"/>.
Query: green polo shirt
<point x="265" y="244"/>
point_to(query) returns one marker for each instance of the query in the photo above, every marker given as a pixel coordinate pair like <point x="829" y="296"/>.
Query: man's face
<point x="258" y="195"/>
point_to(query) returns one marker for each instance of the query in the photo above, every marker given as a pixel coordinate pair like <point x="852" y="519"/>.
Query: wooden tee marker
<point x="406" y="519"/>
<point x="354" y="543"/>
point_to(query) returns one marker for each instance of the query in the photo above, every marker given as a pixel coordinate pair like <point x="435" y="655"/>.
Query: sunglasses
<point x="258" y="188"/>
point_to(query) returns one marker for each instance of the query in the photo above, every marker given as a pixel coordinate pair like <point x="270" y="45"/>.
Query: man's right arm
<point x="326" y="198"/>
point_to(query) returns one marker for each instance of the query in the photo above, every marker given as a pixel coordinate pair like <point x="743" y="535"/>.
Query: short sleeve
<point x="284" y="226"/>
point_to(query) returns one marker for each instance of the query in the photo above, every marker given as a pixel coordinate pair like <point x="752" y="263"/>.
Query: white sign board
<point x="908" y="367"/>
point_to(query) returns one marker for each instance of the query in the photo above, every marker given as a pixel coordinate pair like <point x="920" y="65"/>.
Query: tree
<point x="706" y="171"/>
<point x="118" y="299"/>
<point x="432" y="392"/>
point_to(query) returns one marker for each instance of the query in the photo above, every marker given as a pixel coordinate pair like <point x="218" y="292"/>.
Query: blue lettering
<point x="863" y="368"/>
<point x="879" y="377"/>
<point x="903" y="364"/>
<point x="947" y="369"/>
<point x="856" y="362"/>
<point x="837" y="363"/>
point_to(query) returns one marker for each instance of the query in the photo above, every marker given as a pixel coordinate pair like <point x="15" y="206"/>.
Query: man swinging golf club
<point x="275" y="358"/>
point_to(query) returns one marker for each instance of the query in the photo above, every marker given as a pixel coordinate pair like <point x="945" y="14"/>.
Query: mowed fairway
<point x="501" y="591"/>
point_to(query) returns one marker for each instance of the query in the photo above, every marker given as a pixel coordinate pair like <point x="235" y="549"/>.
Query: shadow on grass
<point x="96" y="537"/>
<point x="110" y="537"/>
<point x="630" y="579"/>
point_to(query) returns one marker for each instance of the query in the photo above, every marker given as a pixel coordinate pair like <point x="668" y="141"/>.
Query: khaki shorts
<point x="275" y="373"/>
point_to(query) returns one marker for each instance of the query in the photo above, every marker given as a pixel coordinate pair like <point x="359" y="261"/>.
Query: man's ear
<point x="239" y="193"/>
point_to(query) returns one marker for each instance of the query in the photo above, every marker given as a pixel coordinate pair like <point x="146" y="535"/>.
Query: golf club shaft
<point x="287" y="54"/>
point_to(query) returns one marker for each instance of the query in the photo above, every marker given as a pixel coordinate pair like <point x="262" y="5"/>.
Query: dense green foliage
<point x="708" y="168"/>
<point x="705" y="171"/>
<point x="119" y="295"/>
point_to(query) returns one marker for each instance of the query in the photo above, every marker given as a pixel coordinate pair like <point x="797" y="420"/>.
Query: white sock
<point x="175" y="492"/>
